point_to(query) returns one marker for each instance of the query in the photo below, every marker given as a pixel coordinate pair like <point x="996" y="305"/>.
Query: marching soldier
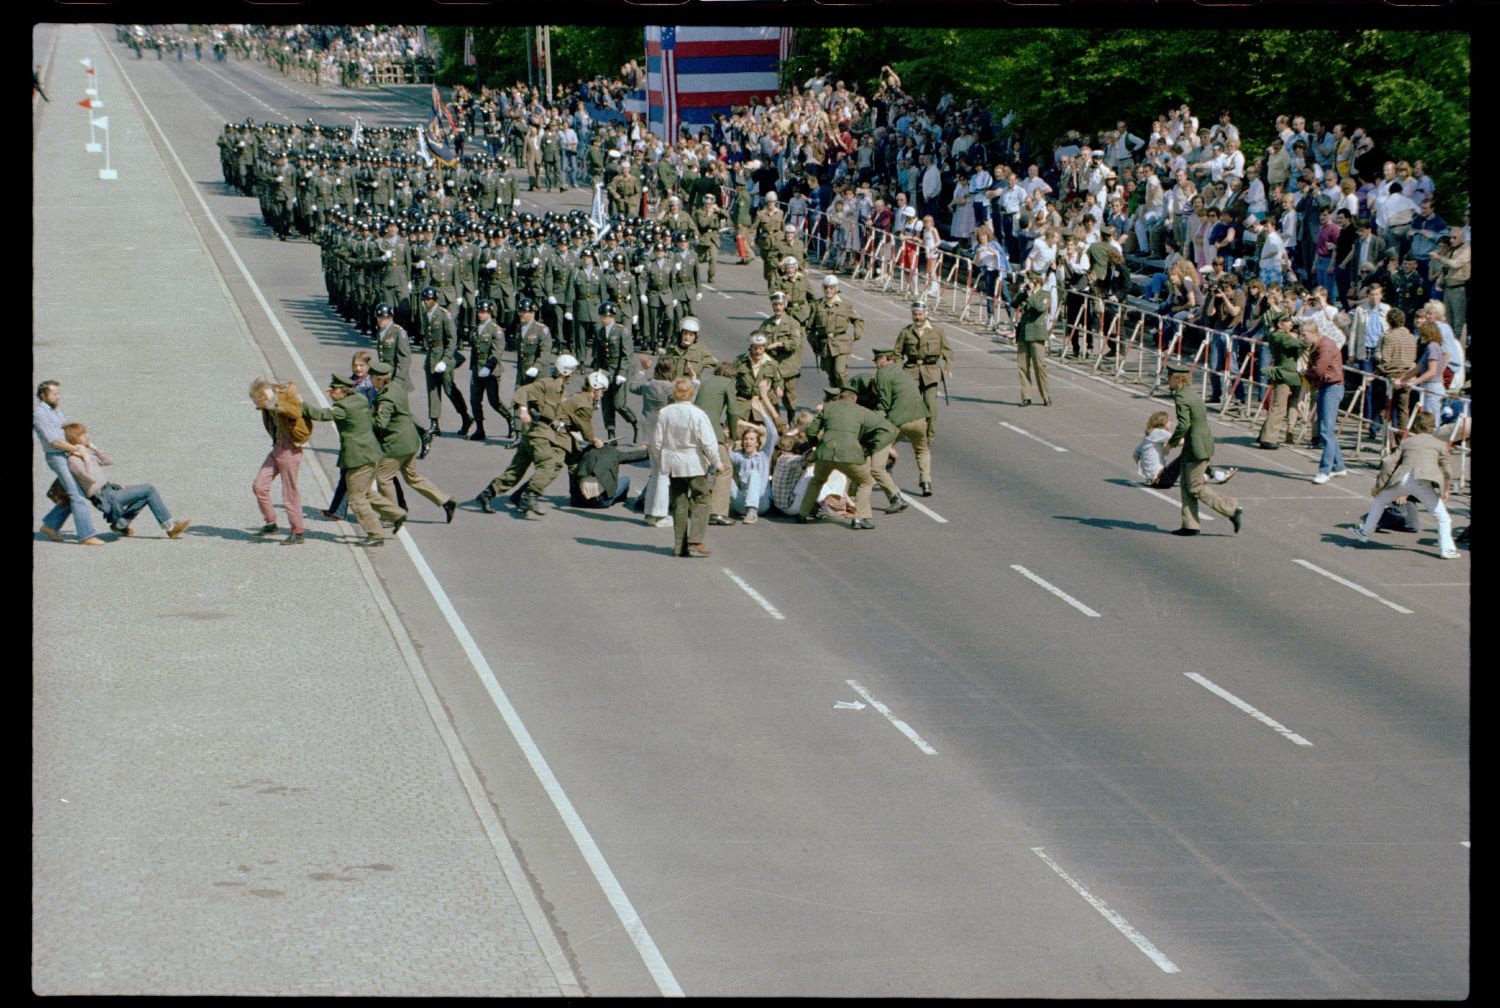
<point x="281" y="196"/>
<point x="894" y="394"/>
<point x="707" y="222"/>
<point x="585" y="292"/>
<point x="395" y="267"/>
<point x="658" y="299"/>
<point x="391" y="346"/>
<point x="685" y="288"/>
<point x="928" y="357"/>
<point x="847" y="435"/>
<point x="442" y="350"/>
<point x="466" y="253"/>
<point x="611" y="348"/>
<point x="768" y="225"/>
<point x="533" y="342"/>
<point x="622" y="288"/>
<point x="784" y="339"/>
<point x="832" y="320"/>
<point x="497" y="279"/>
<point x="484" y="380"/>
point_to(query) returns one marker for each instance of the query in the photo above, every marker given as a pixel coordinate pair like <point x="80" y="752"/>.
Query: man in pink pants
<point x="281" y="410"/>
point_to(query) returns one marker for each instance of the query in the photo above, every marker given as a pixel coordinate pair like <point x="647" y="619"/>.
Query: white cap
<point x="566" y="364"/>
<point x="688" y="324"/>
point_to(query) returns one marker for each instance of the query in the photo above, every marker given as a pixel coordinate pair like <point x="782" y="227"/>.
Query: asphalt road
<point x="1021" y="743"/>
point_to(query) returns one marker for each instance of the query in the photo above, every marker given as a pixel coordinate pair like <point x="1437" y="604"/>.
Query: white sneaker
<point x="751" y="516"/>
<point x="1450" y="555"/>
<point x="1339" y="473"/>
<point x="1358" y="532"/>
<point x="1320" y="479"/>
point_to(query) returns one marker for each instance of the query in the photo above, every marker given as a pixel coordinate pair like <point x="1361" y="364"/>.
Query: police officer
<point x="768" y="226"/>
<point x="894" y="394"/>
<point x="847" y="434"/>
<point x="784" y="338"/>
<point x="835" y="327"/>
<point x="610" y="348"/>
<point x="442" y="350"/>
<point x="924" y="349"/>
<point x="484" y="380"/>
<point x="533" y="342"/>
<point x="687" y="352"/>
<point x="1032" y="302"/>
<point x="545" y="442"/>
<point x="707" y="222"/>
<point x="399" y="440"/>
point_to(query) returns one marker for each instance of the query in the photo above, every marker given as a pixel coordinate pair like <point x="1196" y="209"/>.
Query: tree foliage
<point x="578" y="51"/>
<point x="1409" y="89"/>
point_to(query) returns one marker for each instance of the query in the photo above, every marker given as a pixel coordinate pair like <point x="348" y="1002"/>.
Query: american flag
<point x="694" y="72"/>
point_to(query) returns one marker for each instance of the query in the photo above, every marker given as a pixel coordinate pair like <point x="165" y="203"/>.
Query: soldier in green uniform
<point x="359" y="454"/>
<point x="847" y="434"/>
<point x="658" y="298"/>
<point x="717" y="397"/>
<point x="894" y="394"/>
<point x="625" y="191"/>
<point x="1032" y="302"/>
<point x="545" y="442"/>
<point x="784" y="338"/>
<point x="442" y="355"/>
<point x="610" y="349"/>
<point x="835" y="328"/>
<point x="488" y="345"/>
<point x="685" y="289"/>
<point x="391" y="345"/>
<point x="743" y="221"/>
<point x="533" y="342"/>
<point x="1197" y="440"/>
<point x="623" y="289"/>
<point x="707" y="222"/>
<point x="400" y="440"/>
<point x="687" y="352"/>
<point x="927" y="357"/>
<point x="584" y="293"/>
<point x="768" y="227"/>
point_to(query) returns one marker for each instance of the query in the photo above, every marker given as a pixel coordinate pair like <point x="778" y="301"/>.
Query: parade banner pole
<point x="106" y="173"/>
<point x="91" y="89"/>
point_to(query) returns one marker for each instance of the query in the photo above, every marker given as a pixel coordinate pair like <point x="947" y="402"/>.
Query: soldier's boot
<point x="478" y="434"/>
<point x="463" y="427"/>
<point x="897" y="504"/>
<point x="483" y="499"/>
<point x="609" y="434"/>
<point x="427" y="436"/>
<point x="517" y="494"/>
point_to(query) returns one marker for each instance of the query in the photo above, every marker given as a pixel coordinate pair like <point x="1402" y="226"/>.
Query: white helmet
<point x="566" y="364"/>
<point x="688" y="324"/>
<point x="829" y="280"/>
<point x="598" y="380"/>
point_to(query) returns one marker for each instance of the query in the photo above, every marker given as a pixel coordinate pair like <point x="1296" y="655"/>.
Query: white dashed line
<point x="1176" y="504"/>
<point x="757" y="596"/>
<point x="1056" y="591"/>
<point x="1033" y="437"/>
<point x="1121" y="924"/>
<point x="1350" y="584"/>
<point x="925" y="510"/>
<point x="901" y="726"/>
<point x="1219" y="691"/>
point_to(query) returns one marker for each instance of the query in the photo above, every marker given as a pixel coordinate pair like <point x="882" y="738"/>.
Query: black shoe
<point x="478" y="434"/>
<point x="396" y="525"/>
<point x="1025" y="402"/>
<point x="861" y="523"/>
<point x="267" y="529"/>
<point x="1266" y="446"/>
<point x="426" y="436"/>
<point x="925" y="489"/>
<point x="532" y="506"/>
<point x="635" y="437"/>
<point x="295" y="539"/>
<point x="1046" y="402"/>
<point x="897" y="505"/>
<point x="720" y="520"/>
<point x="449" y="506"/>
<point x="483" y="500"/>
<point x="805" y="519"/>
<point x="463" y="428"/>
<point x="639" y="505"/>
<point x="1185" y="532"/>
<point x="1237" y="519"/>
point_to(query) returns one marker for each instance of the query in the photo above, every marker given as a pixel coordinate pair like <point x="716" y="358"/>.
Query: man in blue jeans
<point x="119" y="504"/>
<point x="1325" y="373"/>
<point x="47" y="422"/>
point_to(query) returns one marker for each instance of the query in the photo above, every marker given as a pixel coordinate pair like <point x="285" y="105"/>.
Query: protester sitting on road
<point x="118" y="504"/>
<point x="1420" y="469"/>
<point x="1150" y="452"/>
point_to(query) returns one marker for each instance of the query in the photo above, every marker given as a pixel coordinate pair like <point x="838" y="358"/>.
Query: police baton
<point x="944" y="379"/>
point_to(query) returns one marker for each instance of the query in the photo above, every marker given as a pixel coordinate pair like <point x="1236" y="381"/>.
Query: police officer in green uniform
<point x="894" y="394"/>
<point x="1197" y="440"/>
<point x="835" y="328"/>
<point x="488" y="345"/>
<point x="707" y="222"/>
<point x="1032" y="302"/>
<point x="545" y="441"/>
<point x="847" y="434"/>
<point x="924" y="348"/>
<point x="359" y="454"/>
<point x="533" y="342"/>
<point x="784" y="338"/>
<point x="688" y="352"/>
<point x="610" y="349"/>
<point x="768" y="228"/>
<point x="400" y="440"/>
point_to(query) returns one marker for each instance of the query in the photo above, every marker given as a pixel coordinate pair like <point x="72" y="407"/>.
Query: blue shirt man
<point x="47" y="422"/>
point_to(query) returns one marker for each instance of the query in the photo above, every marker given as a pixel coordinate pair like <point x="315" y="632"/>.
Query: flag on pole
<point x="359" y="132"/>
<point x="90" y="70"/>
<point x="440" y="131"/>
<point x="692" y="72"/>
<point x="90" y="103"/>
<point x="422" y="150"/>
<point x="87" y="62"/>
<point x="102" y="122"/>
<point x="469" y="59"/>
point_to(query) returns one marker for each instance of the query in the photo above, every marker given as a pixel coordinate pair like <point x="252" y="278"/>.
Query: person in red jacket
<point x="1325" y="373"/>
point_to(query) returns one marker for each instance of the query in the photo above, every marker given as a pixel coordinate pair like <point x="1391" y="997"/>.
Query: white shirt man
<point x="1034" y="181"/>
<point x="932" y="181"/>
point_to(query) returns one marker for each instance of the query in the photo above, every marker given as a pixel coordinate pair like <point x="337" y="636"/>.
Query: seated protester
<point x="119" y="504"/>
<point x="1149" y="457"/>
<point x="751" y="492"/>
<point x="792" y="471"/>
<point x="1420" y="469"/>
<point x="595" y="481"/>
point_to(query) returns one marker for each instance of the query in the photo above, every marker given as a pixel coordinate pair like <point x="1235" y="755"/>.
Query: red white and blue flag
<point x="693" y="72"/>
<point x="437" y="138"/>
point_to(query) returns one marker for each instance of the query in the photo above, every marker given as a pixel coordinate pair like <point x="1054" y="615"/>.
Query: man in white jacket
<point x="684" y="447"/>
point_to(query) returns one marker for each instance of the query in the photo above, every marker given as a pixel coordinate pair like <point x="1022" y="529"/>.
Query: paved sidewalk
<point x="238" y="783"/>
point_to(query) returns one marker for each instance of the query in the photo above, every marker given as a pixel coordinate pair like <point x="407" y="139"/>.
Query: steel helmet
<point x="383" y="310"/>
<point x="566" y="364"/>
<point x="526" y="304"/>
<point x="429" y="293"/>
<point x="485" y="304"/>
<point x="598" y="380"/>
<point x="689" y="324"/>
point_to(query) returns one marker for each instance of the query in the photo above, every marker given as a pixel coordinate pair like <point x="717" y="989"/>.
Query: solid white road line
<point x="901" y="726"/>
<point x="757" y="596"/>
<point x="629" y="919"/>
<point x="1350" y="584"/>
<point x="1033" y="437"/>
<point x="1137" y="939"/>
<point x="924" y="509"/>
<point x="1056" y="591"/>
<point x="1177" y="504"/>
<point x="1220" y="691"/>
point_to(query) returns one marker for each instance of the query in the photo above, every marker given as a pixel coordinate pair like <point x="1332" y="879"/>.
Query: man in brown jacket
<point x="281" y="411"/>
<point x="1420" y="469"/>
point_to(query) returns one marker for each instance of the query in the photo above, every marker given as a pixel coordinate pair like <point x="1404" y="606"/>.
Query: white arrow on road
<point x="848" y="705"/>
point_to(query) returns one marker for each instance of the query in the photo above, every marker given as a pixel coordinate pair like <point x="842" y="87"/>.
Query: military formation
<point x="438" y="264"/>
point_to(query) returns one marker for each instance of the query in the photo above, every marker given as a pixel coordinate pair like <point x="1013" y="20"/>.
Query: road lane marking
<point x="757" y="596"/>
<point x="629" y="919"/>
<point x="1033" y="437"/>
<point x="901" y="726"/>
<point x="1137" y="939"/>
<point x="1350" y="584"/>
<point x="1056" y="591"/>
<point x="925" y="510"/>
<point x="1220" y="691"/>
<point x="1177" y="504"/>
